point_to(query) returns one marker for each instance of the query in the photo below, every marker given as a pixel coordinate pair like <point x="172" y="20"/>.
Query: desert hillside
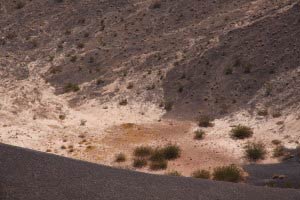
<point x="90" y="79"/>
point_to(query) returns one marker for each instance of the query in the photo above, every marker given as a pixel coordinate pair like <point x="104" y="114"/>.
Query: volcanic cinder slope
<point x="53" y="177"/>
<point x="88" y="79"/>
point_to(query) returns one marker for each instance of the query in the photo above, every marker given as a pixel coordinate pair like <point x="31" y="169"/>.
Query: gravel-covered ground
<point x="30" y="175"/>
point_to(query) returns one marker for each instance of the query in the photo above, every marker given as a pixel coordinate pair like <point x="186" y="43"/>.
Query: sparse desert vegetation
<point x="230" y="173"/>
<point x="20" y="5"/>
<point x="262" y="112"/>
<point x="276" y="114"/>
<point x="279" y="151"/>
<point x="168" y="105"/>
<point x="62" y="117"/>
<point x="241" y="132"/>
<point x="143" y="151"/>
<point x="276" y="142"/>
<point x="174" y="173"/>
<point x="123" y="102"/>
<point x="171" y="151"/>
<point x="120" y="157"/>
<point x="139" y="162"/>
<point x="255" y="151"/>
<point x="71" y="87"/>
<point x="199" y="134"/>
<point x="158" y="164"/>
<point x="157" y="157"/>
<point x="204" y="174"/>
<point x="205" y="121"/>
<point x="154" y="86"/>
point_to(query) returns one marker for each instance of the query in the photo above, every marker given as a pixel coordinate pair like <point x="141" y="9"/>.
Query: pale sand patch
<point x="29" y="113"/>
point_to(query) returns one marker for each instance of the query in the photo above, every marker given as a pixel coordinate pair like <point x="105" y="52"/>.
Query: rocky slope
<point x="88" y="79"/>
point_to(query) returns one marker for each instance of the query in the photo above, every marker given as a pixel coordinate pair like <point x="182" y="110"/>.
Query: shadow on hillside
<point x="285" y="174"/>
<point x="3" y="194"/>
<point x="227" y="77"/>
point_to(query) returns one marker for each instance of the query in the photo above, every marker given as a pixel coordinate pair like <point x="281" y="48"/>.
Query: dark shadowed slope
<point x="250" y="65"/>
<point x="30" y="175"/>
<point x="285" y="174"/>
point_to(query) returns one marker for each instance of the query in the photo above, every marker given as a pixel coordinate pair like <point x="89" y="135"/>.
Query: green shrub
<point x="142" y="151"/>
<point x="247" y="69"/>
<point x="80" y="45"/>
<point x="158" y="165"/>
<point x="20" y="5"/>
<point x="262" y="112"/>
<point x="174" y="173"/>
<point x="237" y="62"/>
<point x="139" y="162"/>
<point x="204" y="121"/>
<point x="229" y="173"/>
<point x="158" y="160"/>
<point x="70" y="87"/>
<point x="129" y="86"/>
<point x="171" y="152"/>
<point x="276" y="142"/>
<point x="269" y="89"/>
<point x="279" y="151"/>
<point x="276" y="114"/>
<point x="155" y="5"/>
<point x="204" y="174"/>
<point x="199" y="134"/>
<point x="120" y="157"/>
<point x="123" y="102"/>
<point x="157" y="155"/>
<point x="228" y="71"/>
<point x="99" y="81"/>
<point x="73" y="59"/>
<point x="241" y="132"/>
<point x="255" y="151"/>
<point x="168" y="105"/>
<point x="62" y="117"/>
<point x="180" y="89"/>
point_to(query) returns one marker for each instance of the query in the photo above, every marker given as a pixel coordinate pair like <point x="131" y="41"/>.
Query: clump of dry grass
<point x="255" y="151"/>
<point x="241" y="132"/>
<point x="230" y="173"/>
<point x="276" y="142"/>
<point x="171" y="152"/>
<point x="123" y="102"/>
<point x="120" y="157"/>
<point x="158" y="157"/>
<point x="279" y="151"/>
<point x="139" y="162"/>
<point x="71" y="87"/>
<point x="159" y="164"/>
<point x="143" y="151"/>
<point x="199" y="135"/>
<point x="204" y="174"/>
<point x="204" y="121"/>
<point x="174" y="173"/>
